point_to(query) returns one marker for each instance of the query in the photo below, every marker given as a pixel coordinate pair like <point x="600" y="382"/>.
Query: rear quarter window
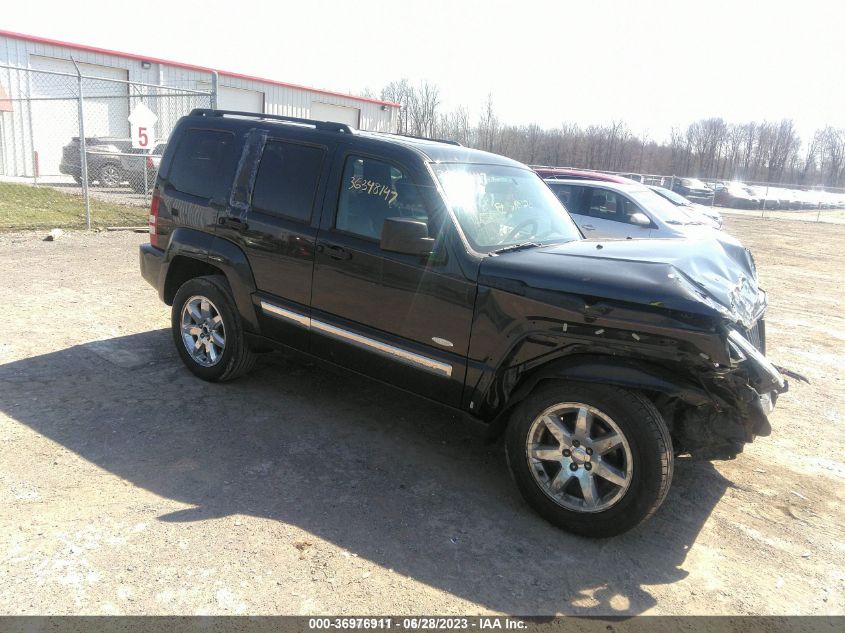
<point x="204" y="163"/>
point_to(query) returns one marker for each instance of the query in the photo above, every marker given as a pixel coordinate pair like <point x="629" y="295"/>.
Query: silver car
<point x="609" y="210"/>
<point x="708" y="215"/>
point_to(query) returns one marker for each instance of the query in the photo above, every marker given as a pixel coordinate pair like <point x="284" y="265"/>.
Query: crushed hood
<point x="713" y="275"/>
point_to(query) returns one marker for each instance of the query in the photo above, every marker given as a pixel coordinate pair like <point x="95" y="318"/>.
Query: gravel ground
<point x="127" y="486"/>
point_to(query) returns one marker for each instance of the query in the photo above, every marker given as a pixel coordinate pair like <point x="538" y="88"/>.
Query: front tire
<point x="109" y="176"/>
<point x="592" y="459"/>
<point x="208" y="332"/>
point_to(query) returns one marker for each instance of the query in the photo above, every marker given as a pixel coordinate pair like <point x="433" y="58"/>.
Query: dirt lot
<point x="128" y="486"/>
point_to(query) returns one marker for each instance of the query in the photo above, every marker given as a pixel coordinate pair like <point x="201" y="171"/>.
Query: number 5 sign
<point x="143" y="120"/>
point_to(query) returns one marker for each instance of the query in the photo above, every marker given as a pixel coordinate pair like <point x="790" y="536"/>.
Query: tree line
<point x="767" y="151"/>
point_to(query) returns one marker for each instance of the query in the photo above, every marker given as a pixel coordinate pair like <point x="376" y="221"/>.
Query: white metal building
<point x="108" y="116"/>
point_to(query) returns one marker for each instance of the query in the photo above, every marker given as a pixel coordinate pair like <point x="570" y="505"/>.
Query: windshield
<point x="661" y="207"/>
<point x="673" y="197"/>
<point x="498" y="206"/>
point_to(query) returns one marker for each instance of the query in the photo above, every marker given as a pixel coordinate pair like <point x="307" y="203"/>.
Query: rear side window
<point x="564" y="194"/>
<point x="204" y="163"/>
<point x="570" y="195"/>
<point x="287" y="180"/>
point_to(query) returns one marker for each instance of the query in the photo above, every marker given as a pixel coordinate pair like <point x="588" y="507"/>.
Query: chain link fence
<point x="67" y="158"/>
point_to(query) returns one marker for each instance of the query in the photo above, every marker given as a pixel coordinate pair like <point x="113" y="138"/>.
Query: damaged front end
<point x="687" y="317"/>
<point x="748" y="387"/>
<point x="744" y="393"/>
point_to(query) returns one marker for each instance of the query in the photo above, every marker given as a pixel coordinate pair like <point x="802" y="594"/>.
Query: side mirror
<point x="640" y="219"/>
<point x="406" y="235"/>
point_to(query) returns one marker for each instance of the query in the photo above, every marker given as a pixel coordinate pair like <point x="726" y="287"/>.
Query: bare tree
<point x="707" y="148"/>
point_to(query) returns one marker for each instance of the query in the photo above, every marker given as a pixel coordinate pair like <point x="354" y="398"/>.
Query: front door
<point x="404" y="319"/>
<point x="607" y="214"/>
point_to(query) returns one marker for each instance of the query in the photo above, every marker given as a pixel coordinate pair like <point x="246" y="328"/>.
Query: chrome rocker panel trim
<point x="382" y="349"/>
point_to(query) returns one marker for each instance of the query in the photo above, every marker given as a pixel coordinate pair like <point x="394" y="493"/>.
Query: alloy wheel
<point x="109" y="176"/>
<point x="579" y="457"/>
<point x="203" y="331"/>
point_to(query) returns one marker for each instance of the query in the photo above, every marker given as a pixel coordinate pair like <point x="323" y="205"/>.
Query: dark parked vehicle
<point x="457" y="275"/>
<point x="736" y="195"/>
<point x="111" y="161"/>
<point x="693" y="189"/>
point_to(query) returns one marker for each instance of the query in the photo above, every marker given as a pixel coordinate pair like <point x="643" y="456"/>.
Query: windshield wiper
<point x="515" y="247"/>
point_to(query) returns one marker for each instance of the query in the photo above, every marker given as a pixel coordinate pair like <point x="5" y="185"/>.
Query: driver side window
<point x="372" y="191"/>
<point x="609" y="205"/>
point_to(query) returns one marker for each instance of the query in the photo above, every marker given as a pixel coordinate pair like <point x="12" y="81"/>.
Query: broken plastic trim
<point x="744" y="347"/>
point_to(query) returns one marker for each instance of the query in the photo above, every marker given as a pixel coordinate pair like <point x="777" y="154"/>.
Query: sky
<point x="651" y="64"/>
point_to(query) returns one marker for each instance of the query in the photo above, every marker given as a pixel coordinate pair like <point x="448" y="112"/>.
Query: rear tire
<point x="600" y="482"/>
<point x="208" y="332"/>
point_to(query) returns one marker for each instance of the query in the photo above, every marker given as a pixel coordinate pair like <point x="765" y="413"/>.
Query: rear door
<point x="280" y="183"/>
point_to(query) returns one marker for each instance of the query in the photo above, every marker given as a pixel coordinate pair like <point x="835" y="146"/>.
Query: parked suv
<point x="111" y="161"/>
<point x="457" y="275"/>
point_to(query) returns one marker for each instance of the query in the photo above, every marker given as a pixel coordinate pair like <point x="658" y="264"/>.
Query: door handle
<point x="232" y="223"/>
<point x="338" y="252"/>
<point x="588" y="227"/>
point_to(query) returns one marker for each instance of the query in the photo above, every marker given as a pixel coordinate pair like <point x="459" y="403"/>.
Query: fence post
<point x="31" y="134"/>
<point x="765" y="199"/>
<point x="214" y="80"/>
<point x="83" y="158"/>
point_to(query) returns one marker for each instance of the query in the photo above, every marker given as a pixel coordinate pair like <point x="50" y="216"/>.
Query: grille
<point x="757" y="336"/>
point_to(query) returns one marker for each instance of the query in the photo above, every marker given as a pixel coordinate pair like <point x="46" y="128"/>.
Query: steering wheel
<point x="519" y="228"/>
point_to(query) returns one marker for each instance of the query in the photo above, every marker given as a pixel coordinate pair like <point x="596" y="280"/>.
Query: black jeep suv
<point x="457" y="275"/>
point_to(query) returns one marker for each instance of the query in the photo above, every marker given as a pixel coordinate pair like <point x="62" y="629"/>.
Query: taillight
<point x="154" y="218"/>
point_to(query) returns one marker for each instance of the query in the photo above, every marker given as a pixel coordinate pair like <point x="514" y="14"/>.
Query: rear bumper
<point x="70" y="169"/>
<point x="153" y="269"/>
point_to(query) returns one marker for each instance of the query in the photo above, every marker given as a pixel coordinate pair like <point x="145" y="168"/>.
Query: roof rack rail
<point x="329" y="126"/>
<point x="426" y="138"/>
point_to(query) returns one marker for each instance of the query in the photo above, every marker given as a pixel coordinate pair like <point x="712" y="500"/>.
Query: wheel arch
<point x="192" y="253"/>
<point x="628" y="373"/>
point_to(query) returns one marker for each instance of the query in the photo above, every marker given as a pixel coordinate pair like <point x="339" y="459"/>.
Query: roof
<point x="441" y="151"/>
<point x="438" y="151"/>
<point x="222" y="73"/>
<point x="566" y="172"/>
<point x="607" y="184"/>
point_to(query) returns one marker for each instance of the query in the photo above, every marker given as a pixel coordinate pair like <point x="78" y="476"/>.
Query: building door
<point x="339" y="114"/>
<point x="241" y="100"/>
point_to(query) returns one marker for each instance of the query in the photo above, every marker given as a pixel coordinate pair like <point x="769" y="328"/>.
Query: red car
<point x="579" y="174"/>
